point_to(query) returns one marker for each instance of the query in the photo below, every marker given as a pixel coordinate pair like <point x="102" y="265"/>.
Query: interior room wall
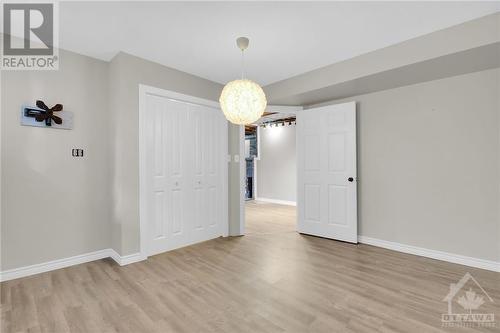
<point x="277" y="164"/>
<point x="126" y="73"/>
<point x="429" y="164"/>
<point x="54" y="205"/>
<point x="429" y="159"/>
<point x="59" y="206"/>
<point x="236" y="174"/>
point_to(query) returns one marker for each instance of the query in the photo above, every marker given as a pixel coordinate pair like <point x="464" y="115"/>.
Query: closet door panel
<point x="186" y="156"/>
<point x="166" y="162"/>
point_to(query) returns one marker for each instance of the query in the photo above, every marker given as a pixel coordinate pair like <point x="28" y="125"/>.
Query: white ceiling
<point x="286" y="39"/>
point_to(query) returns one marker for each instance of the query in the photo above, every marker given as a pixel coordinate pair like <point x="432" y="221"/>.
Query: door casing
<point x="144" y="91"/>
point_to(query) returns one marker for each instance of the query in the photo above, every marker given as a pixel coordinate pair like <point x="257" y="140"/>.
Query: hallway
<point x="269" y="218"/>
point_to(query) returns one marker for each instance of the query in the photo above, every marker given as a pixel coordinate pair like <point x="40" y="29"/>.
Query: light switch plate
<point x="77" y="152"/>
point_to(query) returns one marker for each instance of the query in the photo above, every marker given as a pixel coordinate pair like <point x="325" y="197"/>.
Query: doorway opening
<point x="307" y="160"/>
<point x="271" y="174"/>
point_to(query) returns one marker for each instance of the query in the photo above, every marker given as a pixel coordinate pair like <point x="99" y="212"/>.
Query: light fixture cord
<point x="242" y="63"/>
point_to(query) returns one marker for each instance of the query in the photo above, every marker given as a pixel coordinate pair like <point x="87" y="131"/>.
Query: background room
<point x="271" y="172"/>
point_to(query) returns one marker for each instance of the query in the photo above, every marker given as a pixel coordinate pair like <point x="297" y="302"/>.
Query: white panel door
<point x="326" y="154"/>
<point x="205" y="151"/>
<point x="184" y="162"/>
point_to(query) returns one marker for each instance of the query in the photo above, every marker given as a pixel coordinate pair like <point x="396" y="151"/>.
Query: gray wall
<point x="126" y="73"/>
<point x="236" y="173"/>
<point x="277" y="167"/>
<point x="53" y="205"/>
<point x="429" y="160"/>
<point x="429" y="164"/>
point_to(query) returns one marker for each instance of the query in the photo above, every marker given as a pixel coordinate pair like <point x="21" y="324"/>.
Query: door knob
<point x="350" y="179"/>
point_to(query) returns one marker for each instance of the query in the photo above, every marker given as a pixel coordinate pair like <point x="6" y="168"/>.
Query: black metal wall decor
<point x="43" y="116"/>
<point x="48" y="114"/>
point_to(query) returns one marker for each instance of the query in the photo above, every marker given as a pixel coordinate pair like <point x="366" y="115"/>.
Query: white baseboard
<point x="126" y="260"/>
<point x="52" y="265"/>
<point x="20" y="272"/>
<point x="135" y="257"/>
<point x="434" y="254"/>
<point x="276" y="201"/>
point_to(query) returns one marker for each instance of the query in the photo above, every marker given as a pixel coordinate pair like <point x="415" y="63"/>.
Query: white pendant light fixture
<point x="242" y="101"/>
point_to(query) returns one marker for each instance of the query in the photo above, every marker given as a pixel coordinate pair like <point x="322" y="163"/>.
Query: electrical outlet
<point x="77" y="152"/>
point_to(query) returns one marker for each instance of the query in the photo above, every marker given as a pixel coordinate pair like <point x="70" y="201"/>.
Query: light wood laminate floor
<point x="266" y="218"/>
<point x="272" y="280"/>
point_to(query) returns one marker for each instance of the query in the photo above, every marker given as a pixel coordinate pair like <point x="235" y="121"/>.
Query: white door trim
<point x="145" y="90"/>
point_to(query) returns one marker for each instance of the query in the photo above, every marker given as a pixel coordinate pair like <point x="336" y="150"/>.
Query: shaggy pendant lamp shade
<point x="242" y="101"/>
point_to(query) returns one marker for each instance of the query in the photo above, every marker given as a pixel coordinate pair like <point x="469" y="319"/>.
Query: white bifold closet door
<point x="326" y="165"/>
<point x="185" y="155"/>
